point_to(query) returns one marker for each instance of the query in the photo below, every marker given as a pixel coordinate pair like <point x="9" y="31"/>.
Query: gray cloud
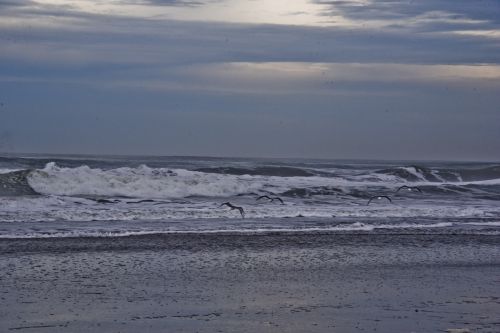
<point x="14" y="3"/>
<point x="376" y="9"/>
<point x="86" y="40"/>
<point x="184" y="3"/>
<point x="428" y="15"/>
<point x="99" y="39"/>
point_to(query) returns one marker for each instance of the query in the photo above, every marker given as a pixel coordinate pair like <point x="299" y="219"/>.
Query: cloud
<point x="47" y="43"/>
<point x="87" y="39"/>
<point x="376" y="9"/>
<point x="187" y="3"/>
<point x="14" y="3"/>
<point x="424" y="15"/>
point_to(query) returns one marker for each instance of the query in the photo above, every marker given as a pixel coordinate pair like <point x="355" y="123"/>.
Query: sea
<point x="59" y="196"/>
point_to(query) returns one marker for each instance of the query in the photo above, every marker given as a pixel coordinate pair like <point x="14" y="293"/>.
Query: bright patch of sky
<point x="297" y="12"/>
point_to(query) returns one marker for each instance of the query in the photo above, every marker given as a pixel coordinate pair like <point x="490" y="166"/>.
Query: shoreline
<point x="201" y="241"/>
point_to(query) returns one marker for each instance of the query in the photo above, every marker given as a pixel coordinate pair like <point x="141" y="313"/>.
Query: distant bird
<point x="379" y="197"/>
<point x="270" y="199"/>
<point x="240" y="209"/>
<point x="409" y="188"/>
<point x="264" y="196"/>
<point x="141" y="201"/>
<point x="279" y="199"/>
<point x="104" y="201"/>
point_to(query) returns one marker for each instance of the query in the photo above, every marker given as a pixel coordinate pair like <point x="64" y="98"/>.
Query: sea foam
<point x="141" y="182"/>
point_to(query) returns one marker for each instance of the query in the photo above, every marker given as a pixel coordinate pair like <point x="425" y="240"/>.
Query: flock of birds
<point x="271" y="199"/>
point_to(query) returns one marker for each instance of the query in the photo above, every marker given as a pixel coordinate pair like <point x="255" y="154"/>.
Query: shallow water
<point x="252" y="283"/>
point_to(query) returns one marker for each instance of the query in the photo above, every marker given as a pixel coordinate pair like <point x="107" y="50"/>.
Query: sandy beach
<point x="252" y="283"/>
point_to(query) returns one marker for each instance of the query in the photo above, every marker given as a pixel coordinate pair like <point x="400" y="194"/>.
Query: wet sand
<point x="252" y="283"/>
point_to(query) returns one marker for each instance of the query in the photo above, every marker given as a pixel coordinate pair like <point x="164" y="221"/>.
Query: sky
<point x="349" y="79"/>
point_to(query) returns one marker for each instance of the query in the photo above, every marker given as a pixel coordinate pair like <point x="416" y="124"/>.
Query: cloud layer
<point x="341" y="63"/>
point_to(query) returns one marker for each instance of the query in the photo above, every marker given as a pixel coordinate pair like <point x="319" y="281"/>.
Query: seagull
<point x="103" y="201"/>
<point x="242" y="212"/>
<point x="409" y="188"/>
<point x="279" y="199"/>
<point x="271" y="199"/>
<point x="379" y="197"/>
<point x="264" y="196"/>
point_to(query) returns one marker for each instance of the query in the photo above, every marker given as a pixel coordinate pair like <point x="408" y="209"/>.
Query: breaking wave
<point x="416" y="173"/>
<point x="172" y="183"/>
<point x="278" y="171"/>
<point x="15" y="183"/>
<point x="141" y="182"/>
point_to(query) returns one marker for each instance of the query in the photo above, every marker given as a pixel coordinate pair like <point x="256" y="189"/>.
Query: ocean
<point x="112" y="196"/>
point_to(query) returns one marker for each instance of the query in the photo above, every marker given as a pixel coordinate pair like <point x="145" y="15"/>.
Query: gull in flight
<point x="409" y="188"/>
<point x="240" y="209"/>
<point x="379" y="197"/>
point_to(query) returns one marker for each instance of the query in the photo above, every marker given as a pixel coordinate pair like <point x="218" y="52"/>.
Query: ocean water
<point x="112" y="196"/>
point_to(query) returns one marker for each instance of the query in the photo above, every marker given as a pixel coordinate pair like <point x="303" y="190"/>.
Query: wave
<point x="346" y="227"/>
<point x="278" y="171"/>
<point x="416" y="173"/>
<point x="141" y="182"/>
<point x="151" y="183"/>
<point x="313" y="191"/>
<point x="488" y="173"/>
<point x="15" y="183"/>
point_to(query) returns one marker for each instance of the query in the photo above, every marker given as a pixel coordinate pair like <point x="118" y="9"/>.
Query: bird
<point x="379" y="197"/>
<point x="409" y="188"/>
<point x="264" y="196"/>
<point x="240" y="209"/>
<point x="104" y="201"/>
<point x="271" y="199"/>
<point x="279" y="199"/>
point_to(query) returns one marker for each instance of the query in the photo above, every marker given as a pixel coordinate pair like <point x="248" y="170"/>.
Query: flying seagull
<point x="271" y="199"/>
<point x="242" y="212"/>
<point x="409" y="188"/>
<point x="279" y="199"/>
<point x="379" y="197"/>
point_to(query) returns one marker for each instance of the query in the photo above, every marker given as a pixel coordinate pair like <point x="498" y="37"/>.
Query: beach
<point x="205" y="166"/>
<point x="130" y="244"/>
<point x="275" y="282"/>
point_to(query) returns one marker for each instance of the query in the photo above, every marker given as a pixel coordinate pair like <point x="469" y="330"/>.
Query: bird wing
<point x="401" y="187"/>
<point x="279" y="199"/>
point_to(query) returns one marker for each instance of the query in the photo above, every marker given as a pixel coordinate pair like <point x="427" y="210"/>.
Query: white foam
<point x="436" y="174"/>
<point x="413" y="171"/>
<point x="149" y="182"/>
<point x="146" y="182"/>
<point x="5" y="170"/>
<point x="61" y="208"/>
<point x="141" y="182"/>
<point x="357" y="226"/>
<point x="486" y="224"/>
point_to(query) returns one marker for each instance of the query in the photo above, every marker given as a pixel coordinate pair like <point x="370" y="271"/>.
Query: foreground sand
<point x="266" y="283"/>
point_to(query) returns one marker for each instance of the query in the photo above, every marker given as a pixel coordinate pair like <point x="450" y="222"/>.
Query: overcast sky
<point x="372" y="79"/>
